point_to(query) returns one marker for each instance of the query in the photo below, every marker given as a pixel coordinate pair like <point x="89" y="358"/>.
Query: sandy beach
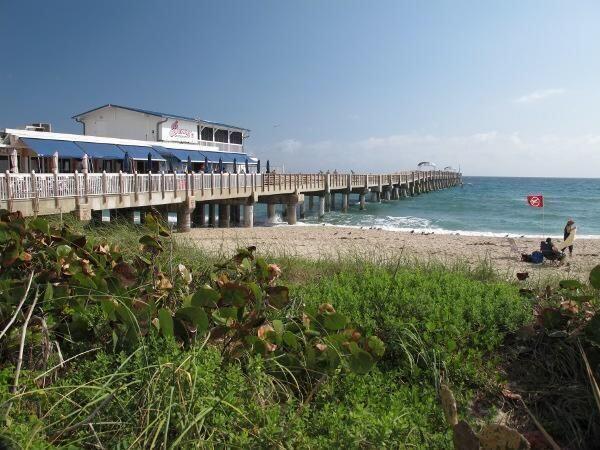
<point x="316" y="242"/>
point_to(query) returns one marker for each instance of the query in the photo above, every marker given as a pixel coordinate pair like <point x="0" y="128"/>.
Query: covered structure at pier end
<point x="118" y="138"/>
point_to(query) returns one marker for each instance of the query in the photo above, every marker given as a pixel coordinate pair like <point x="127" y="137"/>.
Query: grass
<point x="437" y="323"/>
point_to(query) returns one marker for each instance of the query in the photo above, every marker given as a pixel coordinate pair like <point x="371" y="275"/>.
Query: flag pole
<point x="543" y="227"/>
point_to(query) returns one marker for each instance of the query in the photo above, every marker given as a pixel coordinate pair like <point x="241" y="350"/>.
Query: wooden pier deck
<point x="189" y="193"/>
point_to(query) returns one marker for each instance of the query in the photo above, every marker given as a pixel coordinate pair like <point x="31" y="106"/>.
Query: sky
<point x="505" y="88"/>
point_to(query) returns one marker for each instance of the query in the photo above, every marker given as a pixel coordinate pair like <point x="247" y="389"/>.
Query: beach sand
<point x="318" y="242"/>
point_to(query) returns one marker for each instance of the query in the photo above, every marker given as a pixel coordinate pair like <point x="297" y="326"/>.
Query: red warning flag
<point x="537" y="201"/>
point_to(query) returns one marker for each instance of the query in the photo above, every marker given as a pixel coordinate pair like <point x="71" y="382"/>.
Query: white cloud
<point x="539" y="95"/>
<point x="288" y="146"/>
<point x="482" y="153"/>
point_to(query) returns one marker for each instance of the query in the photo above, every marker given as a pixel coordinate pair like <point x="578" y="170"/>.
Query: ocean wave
<point x="442" y="231"/>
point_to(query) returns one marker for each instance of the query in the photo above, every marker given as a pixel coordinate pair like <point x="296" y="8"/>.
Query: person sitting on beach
<point x="550" y="251"/>
<point x="569" y="228"/>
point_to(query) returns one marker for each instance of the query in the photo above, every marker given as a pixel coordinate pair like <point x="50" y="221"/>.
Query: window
<point x="221" y="136"/>
<point x="236" y="137"/>
<point x="207" y="134"/>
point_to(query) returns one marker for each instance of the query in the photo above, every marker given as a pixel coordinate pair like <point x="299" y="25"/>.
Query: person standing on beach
<point x="569" y="228"/>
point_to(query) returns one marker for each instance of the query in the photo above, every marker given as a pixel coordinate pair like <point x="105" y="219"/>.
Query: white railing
<point x="56" y="185"/>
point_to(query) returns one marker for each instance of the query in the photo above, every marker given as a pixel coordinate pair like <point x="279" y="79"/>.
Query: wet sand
<point x="325" y="242"/>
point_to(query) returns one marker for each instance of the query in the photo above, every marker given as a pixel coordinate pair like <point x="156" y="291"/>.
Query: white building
<point x="139" y="124"/>
<point x="124" y="138"/>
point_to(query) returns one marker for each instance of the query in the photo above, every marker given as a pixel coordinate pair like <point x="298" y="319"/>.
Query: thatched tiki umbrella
<point x="14" y="161"/>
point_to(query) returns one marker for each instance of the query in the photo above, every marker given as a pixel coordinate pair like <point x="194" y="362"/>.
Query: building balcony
<point x="224" y="146"/>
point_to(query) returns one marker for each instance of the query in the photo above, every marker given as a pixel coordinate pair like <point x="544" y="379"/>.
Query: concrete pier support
<point x="199" y="215"/>
<point x="248" y="216"/>
<point x="236" y="215"/>
<point x="271" y="213"/>
<point x="362" y="199"/>
<point x="345" y="196"/>
<point x="302" y="210"/>
<point x="291" y="213"/>
<point x="328" y="201"/>
<point x="184" y="218"/>
<point x="212" y="215"/>
<point x="387" y="195"/>
<point x="311" y="202"/>
<point x="321" y="207"/>
<point x="224" y="216"/>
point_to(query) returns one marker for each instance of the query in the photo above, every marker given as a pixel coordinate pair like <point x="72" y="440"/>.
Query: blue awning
<point x="228" y="157"/>
<point x="139" y="152"/>
<point x="181" y="155"/>
<point x="101" y="150"/>
<point x="47" y="147"/>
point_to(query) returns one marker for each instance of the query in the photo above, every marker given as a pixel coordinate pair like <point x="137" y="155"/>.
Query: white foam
<point x="433" y="230"/>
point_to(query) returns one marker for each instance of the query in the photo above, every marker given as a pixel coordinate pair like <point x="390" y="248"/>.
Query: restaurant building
<point x="129" y="139"/>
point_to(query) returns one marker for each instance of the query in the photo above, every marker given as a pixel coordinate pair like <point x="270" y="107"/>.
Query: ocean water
<point x="494" y="206"/>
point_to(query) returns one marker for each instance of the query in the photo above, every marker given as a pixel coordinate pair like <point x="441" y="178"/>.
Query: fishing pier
<point x="207" y="199"/>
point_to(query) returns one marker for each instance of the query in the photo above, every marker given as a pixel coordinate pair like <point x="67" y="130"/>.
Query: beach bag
<point x="537" y="257"/>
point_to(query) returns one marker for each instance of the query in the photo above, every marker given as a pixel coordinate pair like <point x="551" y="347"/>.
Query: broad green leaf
<point x="235" y="294"/>
<point x="595" y="277"/>
<point x="195" y="315"/>
<point x="278" y="326"/>
<point x="225" y="315"/>
<point x="290" y="340"/>
<point x="40" y="225"/>
<point x="166" y="322"/>
<point x="151" y="243"/>
<point x="334" y="322"/>
<point x="278" y="296"/>
<point x="360" y="362"/>
<point x="570" y="284"/>
<point x="63" y="251"/>
<point x="206" y="297"/>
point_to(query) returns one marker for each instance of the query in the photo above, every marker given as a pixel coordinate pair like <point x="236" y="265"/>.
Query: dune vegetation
<point x="123" y="337"/>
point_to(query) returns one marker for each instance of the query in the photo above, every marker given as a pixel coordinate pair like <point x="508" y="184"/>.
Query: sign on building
<point x="176" y="130"/>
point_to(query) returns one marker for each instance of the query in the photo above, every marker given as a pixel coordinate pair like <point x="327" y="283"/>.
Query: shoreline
<point x="378" y="245"/>
<point x="435" y="231"/>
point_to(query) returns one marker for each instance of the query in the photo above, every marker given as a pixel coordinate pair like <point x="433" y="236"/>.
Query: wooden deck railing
<point x="16" y="186"/>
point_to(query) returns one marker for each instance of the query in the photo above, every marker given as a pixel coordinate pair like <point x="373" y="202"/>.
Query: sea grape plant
<point x="82" y="292"/>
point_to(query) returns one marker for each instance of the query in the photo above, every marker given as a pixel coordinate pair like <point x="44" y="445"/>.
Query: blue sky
<point x="501" y="88"/>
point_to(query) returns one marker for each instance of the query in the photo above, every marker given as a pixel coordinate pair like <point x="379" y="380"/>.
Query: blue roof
<point x="101" y="150"/>
<point x="47" y="147"/>
<point x="160" y="114"/>
<point x="181" y="155"/>
<point x="139" y="152"/>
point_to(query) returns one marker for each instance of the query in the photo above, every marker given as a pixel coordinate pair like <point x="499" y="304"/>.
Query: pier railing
<point x="21" y="186"/>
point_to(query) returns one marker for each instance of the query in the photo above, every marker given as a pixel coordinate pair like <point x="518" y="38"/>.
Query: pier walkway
<point x="192" y="194"/>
